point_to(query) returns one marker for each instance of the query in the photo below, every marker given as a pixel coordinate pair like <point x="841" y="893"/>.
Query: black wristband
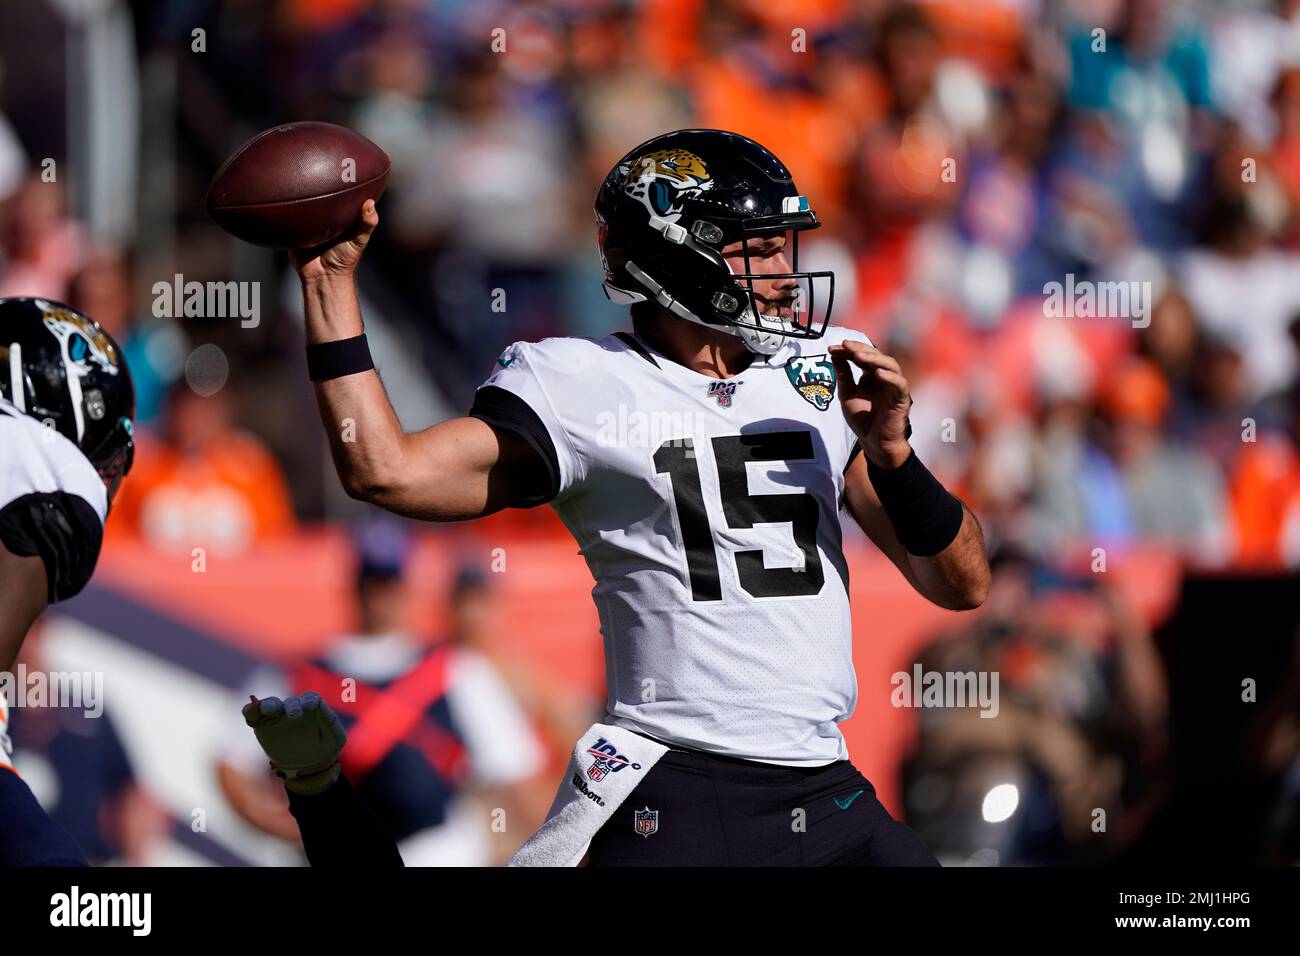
<point x="925" y="516"/>
<point x="327" y="360"/>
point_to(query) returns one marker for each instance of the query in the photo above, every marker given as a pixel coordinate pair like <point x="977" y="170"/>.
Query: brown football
<point x="297" y="185"/>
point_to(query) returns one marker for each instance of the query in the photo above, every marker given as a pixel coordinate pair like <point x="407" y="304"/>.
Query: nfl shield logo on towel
<point x="647" y="821"/>
<point x="598" y="770"/>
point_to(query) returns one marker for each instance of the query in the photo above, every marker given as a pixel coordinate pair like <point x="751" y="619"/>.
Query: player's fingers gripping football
<point x="340" y="257"/>
<point x="302" y="736"/>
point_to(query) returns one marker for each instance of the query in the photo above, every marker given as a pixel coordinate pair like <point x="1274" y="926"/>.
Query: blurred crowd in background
<point x="961" y="157"/>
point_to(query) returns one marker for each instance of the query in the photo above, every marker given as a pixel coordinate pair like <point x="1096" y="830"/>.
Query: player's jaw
<point x="776" y="298"/>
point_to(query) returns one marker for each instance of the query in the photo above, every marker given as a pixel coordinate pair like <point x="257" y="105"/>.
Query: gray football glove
<point x="303" y="738"/>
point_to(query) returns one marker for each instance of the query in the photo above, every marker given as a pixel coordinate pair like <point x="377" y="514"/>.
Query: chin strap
<point x="761" y="342"/>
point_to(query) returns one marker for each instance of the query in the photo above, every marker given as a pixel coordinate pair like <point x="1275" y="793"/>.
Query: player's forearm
<point x="957" y="577"/>
<point x="331" y="308"/>
<point x="927" y="532"/>
<point x="366" y="439"/>
<point x="339" y="831"/>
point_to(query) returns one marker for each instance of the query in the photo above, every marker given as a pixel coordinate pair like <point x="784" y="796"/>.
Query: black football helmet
<point x="668" y="208"/>
<point x="62" y="368"/>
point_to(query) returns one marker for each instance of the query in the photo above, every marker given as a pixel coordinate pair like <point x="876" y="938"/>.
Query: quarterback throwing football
<point x="714" y="540"/>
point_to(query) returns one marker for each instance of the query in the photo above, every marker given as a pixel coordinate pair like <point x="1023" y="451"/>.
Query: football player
<point x="66" y="441"/>
<point x="703" y="460"/>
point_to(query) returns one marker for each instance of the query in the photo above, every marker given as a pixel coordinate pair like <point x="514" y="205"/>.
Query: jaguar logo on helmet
<point x="663" y="180"/>
<point x="83" y="341"/>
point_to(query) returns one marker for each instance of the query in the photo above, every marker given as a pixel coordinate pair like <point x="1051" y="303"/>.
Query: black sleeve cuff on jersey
<point x="62" y="529"/>
<point x="504" y="409"/>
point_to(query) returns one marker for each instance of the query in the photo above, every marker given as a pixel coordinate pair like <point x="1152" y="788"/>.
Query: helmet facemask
<point x="761" y="308"/>
<point x="766" y="308"/>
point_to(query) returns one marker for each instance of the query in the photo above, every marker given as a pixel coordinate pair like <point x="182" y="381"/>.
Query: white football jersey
<point x="709" y="514"/>
<point x="52" y="501"/>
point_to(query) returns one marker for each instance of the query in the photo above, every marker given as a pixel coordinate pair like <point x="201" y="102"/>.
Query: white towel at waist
<point x="607" y="764"/>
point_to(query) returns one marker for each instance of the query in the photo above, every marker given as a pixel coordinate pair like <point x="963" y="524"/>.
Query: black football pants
<point x="697" y="809"/>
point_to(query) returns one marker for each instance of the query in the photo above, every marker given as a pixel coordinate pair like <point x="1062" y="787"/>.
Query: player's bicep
<point x="467" y="468"/>
<point x="869" y="513"/>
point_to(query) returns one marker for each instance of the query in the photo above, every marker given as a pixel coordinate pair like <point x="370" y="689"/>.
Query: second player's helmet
<point x="60" y="367"/>
<point x="669" y="207"/>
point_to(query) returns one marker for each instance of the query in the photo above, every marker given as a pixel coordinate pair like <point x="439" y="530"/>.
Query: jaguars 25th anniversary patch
<point x="813" y="377"/>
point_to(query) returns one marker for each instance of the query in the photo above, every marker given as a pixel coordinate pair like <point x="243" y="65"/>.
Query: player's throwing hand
<point x="340" y="257"/>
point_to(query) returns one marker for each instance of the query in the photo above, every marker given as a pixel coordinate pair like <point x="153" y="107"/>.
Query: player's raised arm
<point x="463" y="468"/>
<point x="303" y="739"/>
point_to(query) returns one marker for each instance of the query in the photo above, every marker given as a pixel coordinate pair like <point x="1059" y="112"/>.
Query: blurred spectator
<point x="494" y="188"/>
<point x="618" y="102"/>
<point x="13" y="162"/>
<point x="1004" y="211"/>
<point x="1130" y="481"/>
<point x="1253" y="44"/>
<point x="202" y="482"/>
<point x="1081" y="719"/>
<point x="40" y="247"/>
<point x="1240" y="285"/>
<point x="154" y="348"/>
<point x="899" y="179"/>
<point x="1148" y="65"/>
<point x="1264" y="489"/>
<point x="436" y="744"/>
<point x="1285" y="156"/>
<point x="751" y="81"/>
